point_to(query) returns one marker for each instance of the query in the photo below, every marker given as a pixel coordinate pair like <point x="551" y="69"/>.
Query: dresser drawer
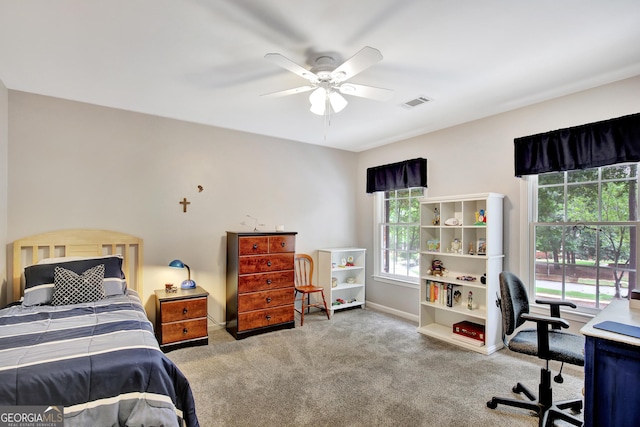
<point x="182" y="331"/>
<point x="265" y="263"/>
<point x="265" y="281"/>
<point x="253" y="245"/>
<point x="262" y="318"/>
<point x="284" y="243"/>
<point x="265" y="299"/>
<point x="173" y="311"/>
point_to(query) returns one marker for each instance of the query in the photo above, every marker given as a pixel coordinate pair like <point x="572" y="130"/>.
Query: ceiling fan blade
<point x="293" y="91"/>
<point x="377" y="93"/>
<point x="365" y="58"/>
<point x="288" y="64"/>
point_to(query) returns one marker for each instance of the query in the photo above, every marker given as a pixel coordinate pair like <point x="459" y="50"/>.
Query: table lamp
<point x="187" y="284"/>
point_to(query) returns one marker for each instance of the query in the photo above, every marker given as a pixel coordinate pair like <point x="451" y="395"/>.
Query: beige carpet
<point x="361" y="368"/>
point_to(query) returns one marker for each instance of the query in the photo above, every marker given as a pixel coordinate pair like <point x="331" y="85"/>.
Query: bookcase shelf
<point x="331" y="265"/>
<point x="465" y="234"/>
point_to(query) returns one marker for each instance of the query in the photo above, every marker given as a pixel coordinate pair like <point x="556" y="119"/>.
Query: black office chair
<point x="546" y="341"/>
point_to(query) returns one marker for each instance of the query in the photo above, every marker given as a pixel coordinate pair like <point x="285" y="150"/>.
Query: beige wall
<point x="477" y="157"/>
<point x="4" y="148"/>
<point x="73" y="165"/>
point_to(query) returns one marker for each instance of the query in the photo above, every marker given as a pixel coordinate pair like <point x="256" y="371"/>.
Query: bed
<point x="77" y="337"/>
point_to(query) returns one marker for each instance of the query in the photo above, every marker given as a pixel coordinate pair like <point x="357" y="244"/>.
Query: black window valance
<point x="587" y="146"/>
<point x="396" y="176"/>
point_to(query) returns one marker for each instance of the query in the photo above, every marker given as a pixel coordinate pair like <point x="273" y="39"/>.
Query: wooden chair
<point x="303" y="279"/>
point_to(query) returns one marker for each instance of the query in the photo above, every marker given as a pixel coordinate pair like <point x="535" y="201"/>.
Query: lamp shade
<point x="187" y="284"/>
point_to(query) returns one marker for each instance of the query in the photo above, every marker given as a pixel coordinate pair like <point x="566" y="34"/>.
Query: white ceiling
<point x="203" y="60"/>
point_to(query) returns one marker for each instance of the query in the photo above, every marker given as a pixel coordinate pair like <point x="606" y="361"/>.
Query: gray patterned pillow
<point x="72" y="288"/>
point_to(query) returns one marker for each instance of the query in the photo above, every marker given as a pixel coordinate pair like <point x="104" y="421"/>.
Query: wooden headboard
<point x="77" y="242"/>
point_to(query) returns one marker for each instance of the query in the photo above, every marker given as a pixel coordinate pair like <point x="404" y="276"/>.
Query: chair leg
<point x="302" y="307"/>
<point x="325" y="305"/>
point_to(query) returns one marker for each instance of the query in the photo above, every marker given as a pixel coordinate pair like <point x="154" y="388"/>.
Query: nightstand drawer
<point x="182" y="331"/>
<point x="265" y="263"/>
<point x="265" y="281"/>
<point x="265" y="299"/>
<point x="172" y="311"/>
<point x="262" y="318"/>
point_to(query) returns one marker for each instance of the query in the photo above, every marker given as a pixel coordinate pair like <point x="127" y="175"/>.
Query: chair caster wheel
<point x="492" y="405"/>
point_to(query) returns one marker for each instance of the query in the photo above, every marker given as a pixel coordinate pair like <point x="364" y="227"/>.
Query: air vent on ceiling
<point x="412" y="103"/>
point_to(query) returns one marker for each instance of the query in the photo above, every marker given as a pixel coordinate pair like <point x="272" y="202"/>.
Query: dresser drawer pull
<point x="268" y="263"/>
<point x="255" y="246"/>
<point x="185" y="331"/>
<point x="283" y="244"/>
<point x="185" y="310"/>
<point x="268" y="281"/>
<point x="268" y="299"/>
<point x="268" y="317"/>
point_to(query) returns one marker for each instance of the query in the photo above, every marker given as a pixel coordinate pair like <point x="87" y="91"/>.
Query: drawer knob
<point x="185" y="331"/>
<point x="268" y="281"/>
<point x="268" y="263"/>
<point x="255" y="246"/>
<point x="185" y="310"/>
<point x="268" y="299"/>
<point x="283" y="244"/>
<point x="268" y="317"/>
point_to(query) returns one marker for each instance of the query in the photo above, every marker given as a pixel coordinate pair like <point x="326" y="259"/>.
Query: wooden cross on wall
<point x="184" y="204"/>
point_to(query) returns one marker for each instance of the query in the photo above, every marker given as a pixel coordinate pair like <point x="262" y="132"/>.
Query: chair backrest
<point x="303" y="270"/>
<point x="513" y="301"/>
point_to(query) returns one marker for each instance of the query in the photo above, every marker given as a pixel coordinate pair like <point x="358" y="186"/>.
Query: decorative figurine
<point x="436" y="217"/>
<point x="456" y="246"/>
<point x="471" y="252"/>
<point x="350" y="262"/>
<point x="481" y="217"/>
<point x="470" y="301"/>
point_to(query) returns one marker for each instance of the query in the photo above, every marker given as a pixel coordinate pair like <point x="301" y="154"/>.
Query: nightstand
<point x="181" y="318"/>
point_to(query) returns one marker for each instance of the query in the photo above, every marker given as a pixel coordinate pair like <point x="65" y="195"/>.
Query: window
<point x="584" y="234"/>
<point x="398" y="234"/>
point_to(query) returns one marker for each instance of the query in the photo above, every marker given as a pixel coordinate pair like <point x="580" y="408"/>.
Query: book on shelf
<point x="469" y="330"/>
<point x="454" y="295"/>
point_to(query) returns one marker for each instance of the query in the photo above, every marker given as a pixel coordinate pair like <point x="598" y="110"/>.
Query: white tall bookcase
<point x="349" y="280"/>
<point x="468" y="248"/>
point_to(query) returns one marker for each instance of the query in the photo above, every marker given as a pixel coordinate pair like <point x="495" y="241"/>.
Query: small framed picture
<point x="482" y="246"/>
<point x="433" y="245"/>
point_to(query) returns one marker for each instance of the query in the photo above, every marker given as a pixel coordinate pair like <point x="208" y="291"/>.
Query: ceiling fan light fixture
<point x="318" y="100"/>
<point x="347" y="89"/>
<point x="338" y="102"/>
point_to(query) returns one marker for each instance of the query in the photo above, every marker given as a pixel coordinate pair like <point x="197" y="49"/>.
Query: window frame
<point x="529" y="202"/>
<point x="378" y="223"/>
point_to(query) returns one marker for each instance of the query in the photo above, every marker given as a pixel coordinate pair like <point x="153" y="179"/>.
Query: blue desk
<point x="612" y="370"/>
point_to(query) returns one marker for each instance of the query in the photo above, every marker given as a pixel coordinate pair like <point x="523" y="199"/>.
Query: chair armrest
<point x="554" y="306"/>
<point x="558" y="303"/>
<point x="545" y="320"/>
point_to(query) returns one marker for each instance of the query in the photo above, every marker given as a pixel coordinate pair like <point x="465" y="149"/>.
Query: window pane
<point x="551" y="204"/>
<point x="404" y="210"/>
<point x="615" y="200"/>
<point x="582" y="175"/>
<point x="551" y="178"/>
<point x="620" y="171"/>
<point x="582" y="203"/>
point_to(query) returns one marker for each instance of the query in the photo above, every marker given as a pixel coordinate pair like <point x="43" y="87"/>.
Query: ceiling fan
<point x="328" y="81"/>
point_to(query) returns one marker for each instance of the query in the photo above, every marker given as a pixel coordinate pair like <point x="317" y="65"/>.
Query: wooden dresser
<point x="181" y="318"/>
<point x="259" y="282"/>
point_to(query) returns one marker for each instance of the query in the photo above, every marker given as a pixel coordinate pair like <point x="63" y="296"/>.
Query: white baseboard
<point x="383" y="308"/>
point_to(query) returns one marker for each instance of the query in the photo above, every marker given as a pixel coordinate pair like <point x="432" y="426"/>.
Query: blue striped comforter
<point x="101" y="361"/>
